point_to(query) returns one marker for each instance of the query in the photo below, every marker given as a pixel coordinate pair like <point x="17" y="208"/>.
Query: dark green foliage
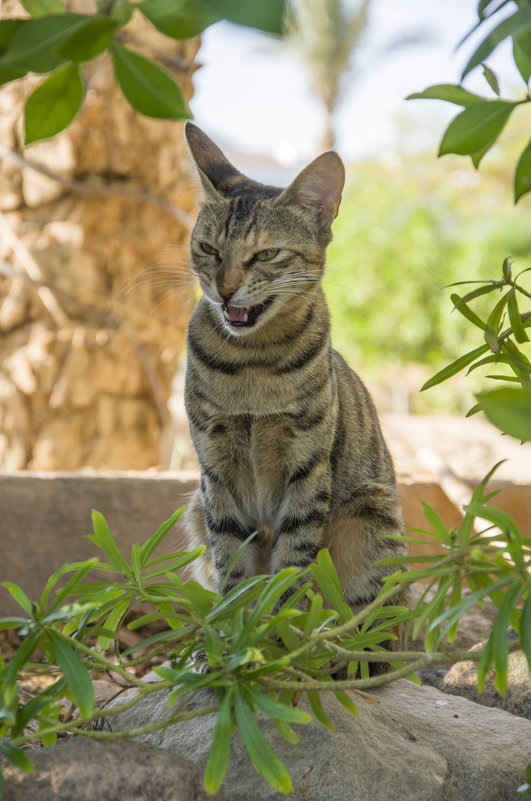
<point x="54" y="39"/>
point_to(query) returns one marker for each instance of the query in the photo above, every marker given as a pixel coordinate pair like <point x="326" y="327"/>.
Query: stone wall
<point x="95" y="287"/>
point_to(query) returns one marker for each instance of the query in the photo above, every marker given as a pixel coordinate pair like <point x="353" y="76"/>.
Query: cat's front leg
<point x="225" y="533"/>
<point x="303" y="512"/>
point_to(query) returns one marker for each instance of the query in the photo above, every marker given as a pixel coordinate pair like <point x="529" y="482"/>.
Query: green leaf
<point x="514" y="317"/>
<point x="260" y="752"/>
<point x="346" y="701"/>
<point x="522" y="56"/>
<point x="278" y="710"/>
<point x="19" y="596"/>
<point x="22" y="656"/>
<point x="103" y="539"/>
<point x="16" y="755"/>
<point x="519" y="24"/>
<point x="525" y="628"/>
<point x="500" y="636"/>
<point x="463" y="309"/>
<point x="33" y="44"/>
<point x="493" y="325"/>
<point x="8" y="28"/>
<point x="75" y="673"/>
<point x="43" y="8"/>
<point x="327" y="580"/>
<point x="52" y="106"/>
<point x="180" y="19"/>
<point x="491" y="79"/>
<point x="317" y="709"/>
<point x="218" y="757"/>
<point x="476" y="128"/>
<point x="437" y="523"/>
<point x="89" y="39"/>
<point x="150" y="89"/>
<point x="509" y="409"/>
<point x="522" y="175"/>
<point x="454" y="367"/>
<point x="266" y="16"/>
<point x="452" y="93"/>
<point x="151" y="545"/>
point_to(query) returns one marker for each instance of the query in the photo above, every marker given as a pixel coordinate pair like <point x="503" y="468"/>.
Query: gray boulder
<point x="87" y="770"/>
<point x="416" y="744"/>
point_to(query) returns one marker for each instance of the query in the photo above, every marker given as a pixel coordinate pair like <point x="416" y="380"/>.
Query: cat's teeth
<point x="245" y="317"/>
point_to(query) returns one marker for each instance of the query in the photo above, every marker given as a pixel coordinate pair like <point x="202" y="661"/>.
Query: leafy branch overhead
<point x="55" y="43"/>
<point x="475" y="129"/>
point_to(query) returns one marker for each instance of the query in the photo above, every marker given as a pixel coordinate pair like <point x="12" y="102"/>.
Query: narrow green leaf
<point x="476" y="128"/>
<point x="75" y="673"/>
<point x="102" y="537"/>
<point x="275" y="709"/>
<point x="500" y="636"/>
<point x="43" y="8"/>
<point x="491" y="79"/>
<point x="455" y="367"/>
<point x="475" y="293"/>
<point x="522" y="175"/>
<point x="22" y="655"/>
<point x="522" y="56"/>
<point x="493" y="325"/>
<point x="346" y="701"/>
<point x="285" y="731"/>
<point x="266" y="16"/>
<point x="519" y="331"/>
<point x="151" y="545"/>
<point x="450" y="92"/>
<point x="317" y="709"/>
<point x="88" y="40"/>
<point x="316" y="607"/>
<point x="150" y="89"/>
<point x="325" y="575"/>
<point x="509" y="409"/>
<point x="525" y="628"/>
<point x="260" y="752"/>
<point x="82" y="569"/>
<point x="518" y="23"/>
<point x="180" y="19"/>
<point x="436" y="522"/>
<point x="33" y="45"/>
<point x="8" y="28"/>
<point x="16" y="755"/>
<point x="218" y="757"/>
<point x="466" y="311"/>
<point x="18" y="594"/>
<point x="34" y="706"/>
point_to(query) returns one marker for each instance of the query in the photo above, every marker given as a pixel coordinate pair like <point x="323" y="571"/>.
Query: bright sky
<point x="254" y="94"/>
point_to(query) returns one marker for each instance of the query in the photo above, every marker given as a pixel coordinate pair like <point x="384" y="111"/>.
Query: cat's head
<point x="256" y="248"/>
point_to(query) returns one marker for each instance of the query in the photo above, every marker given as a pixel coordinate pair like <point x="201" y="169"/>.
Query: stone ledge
<point x="44" y="517"/>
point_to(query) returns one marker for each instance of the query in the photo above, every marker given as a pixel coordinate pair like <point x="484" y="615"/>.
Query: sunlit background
<point x="409" y="224"/>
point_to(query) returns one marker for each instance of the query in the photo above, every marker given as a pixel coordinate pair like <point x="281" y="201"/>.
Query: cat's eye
<point x="209" y="249"/>
<point x="267" y="254"/>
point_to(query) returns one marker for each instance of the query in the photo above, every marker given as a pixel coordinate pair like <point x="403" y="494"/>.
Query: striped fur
<point x="287" y="436"/>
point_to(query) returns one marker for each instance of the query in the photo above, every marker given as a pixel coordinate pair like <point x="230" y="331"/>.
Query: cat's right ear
<point x="217" y="174"/>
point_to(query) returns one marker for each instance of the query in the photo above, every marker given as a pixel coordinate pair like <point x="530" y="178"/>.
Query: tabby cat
<point x="287" y="435"/>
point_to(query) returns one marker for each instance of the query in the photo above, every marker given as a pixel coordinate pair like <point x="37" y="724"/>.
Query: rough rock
<point x="417" y="744"/>
<point x="461" y="679"/>
<point x="86" y="770"/>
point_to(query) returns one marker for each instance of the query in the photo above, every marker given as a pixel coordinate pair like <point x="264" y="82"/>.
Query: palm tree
<point x="325" y="34"/>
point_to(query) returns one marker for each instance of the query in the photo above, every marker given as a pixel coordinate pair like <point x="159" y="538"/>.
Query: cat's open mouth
<point x="244" y="315"/>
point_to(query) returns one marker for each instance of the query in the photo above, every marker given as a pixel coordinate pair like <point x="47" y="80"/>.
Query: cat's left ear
<point x="318" y="187"/>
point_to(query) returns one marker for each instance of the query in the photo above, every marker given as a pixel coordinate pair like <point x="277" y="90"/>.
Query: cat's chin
<point x="242" y="318"/>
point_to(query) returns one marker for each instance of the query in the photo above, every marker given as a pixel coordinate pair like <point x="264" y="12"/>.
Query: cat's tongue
<point x="238" y="314"/>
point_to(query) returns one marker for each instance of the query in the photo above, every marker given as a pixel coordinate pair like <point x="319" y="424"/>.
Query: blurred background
<point x="95" y="283"/>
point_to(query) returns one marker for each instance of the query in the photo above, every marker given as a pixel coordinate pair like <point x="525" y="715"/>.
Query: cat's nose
<point x="226" y="291"/>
